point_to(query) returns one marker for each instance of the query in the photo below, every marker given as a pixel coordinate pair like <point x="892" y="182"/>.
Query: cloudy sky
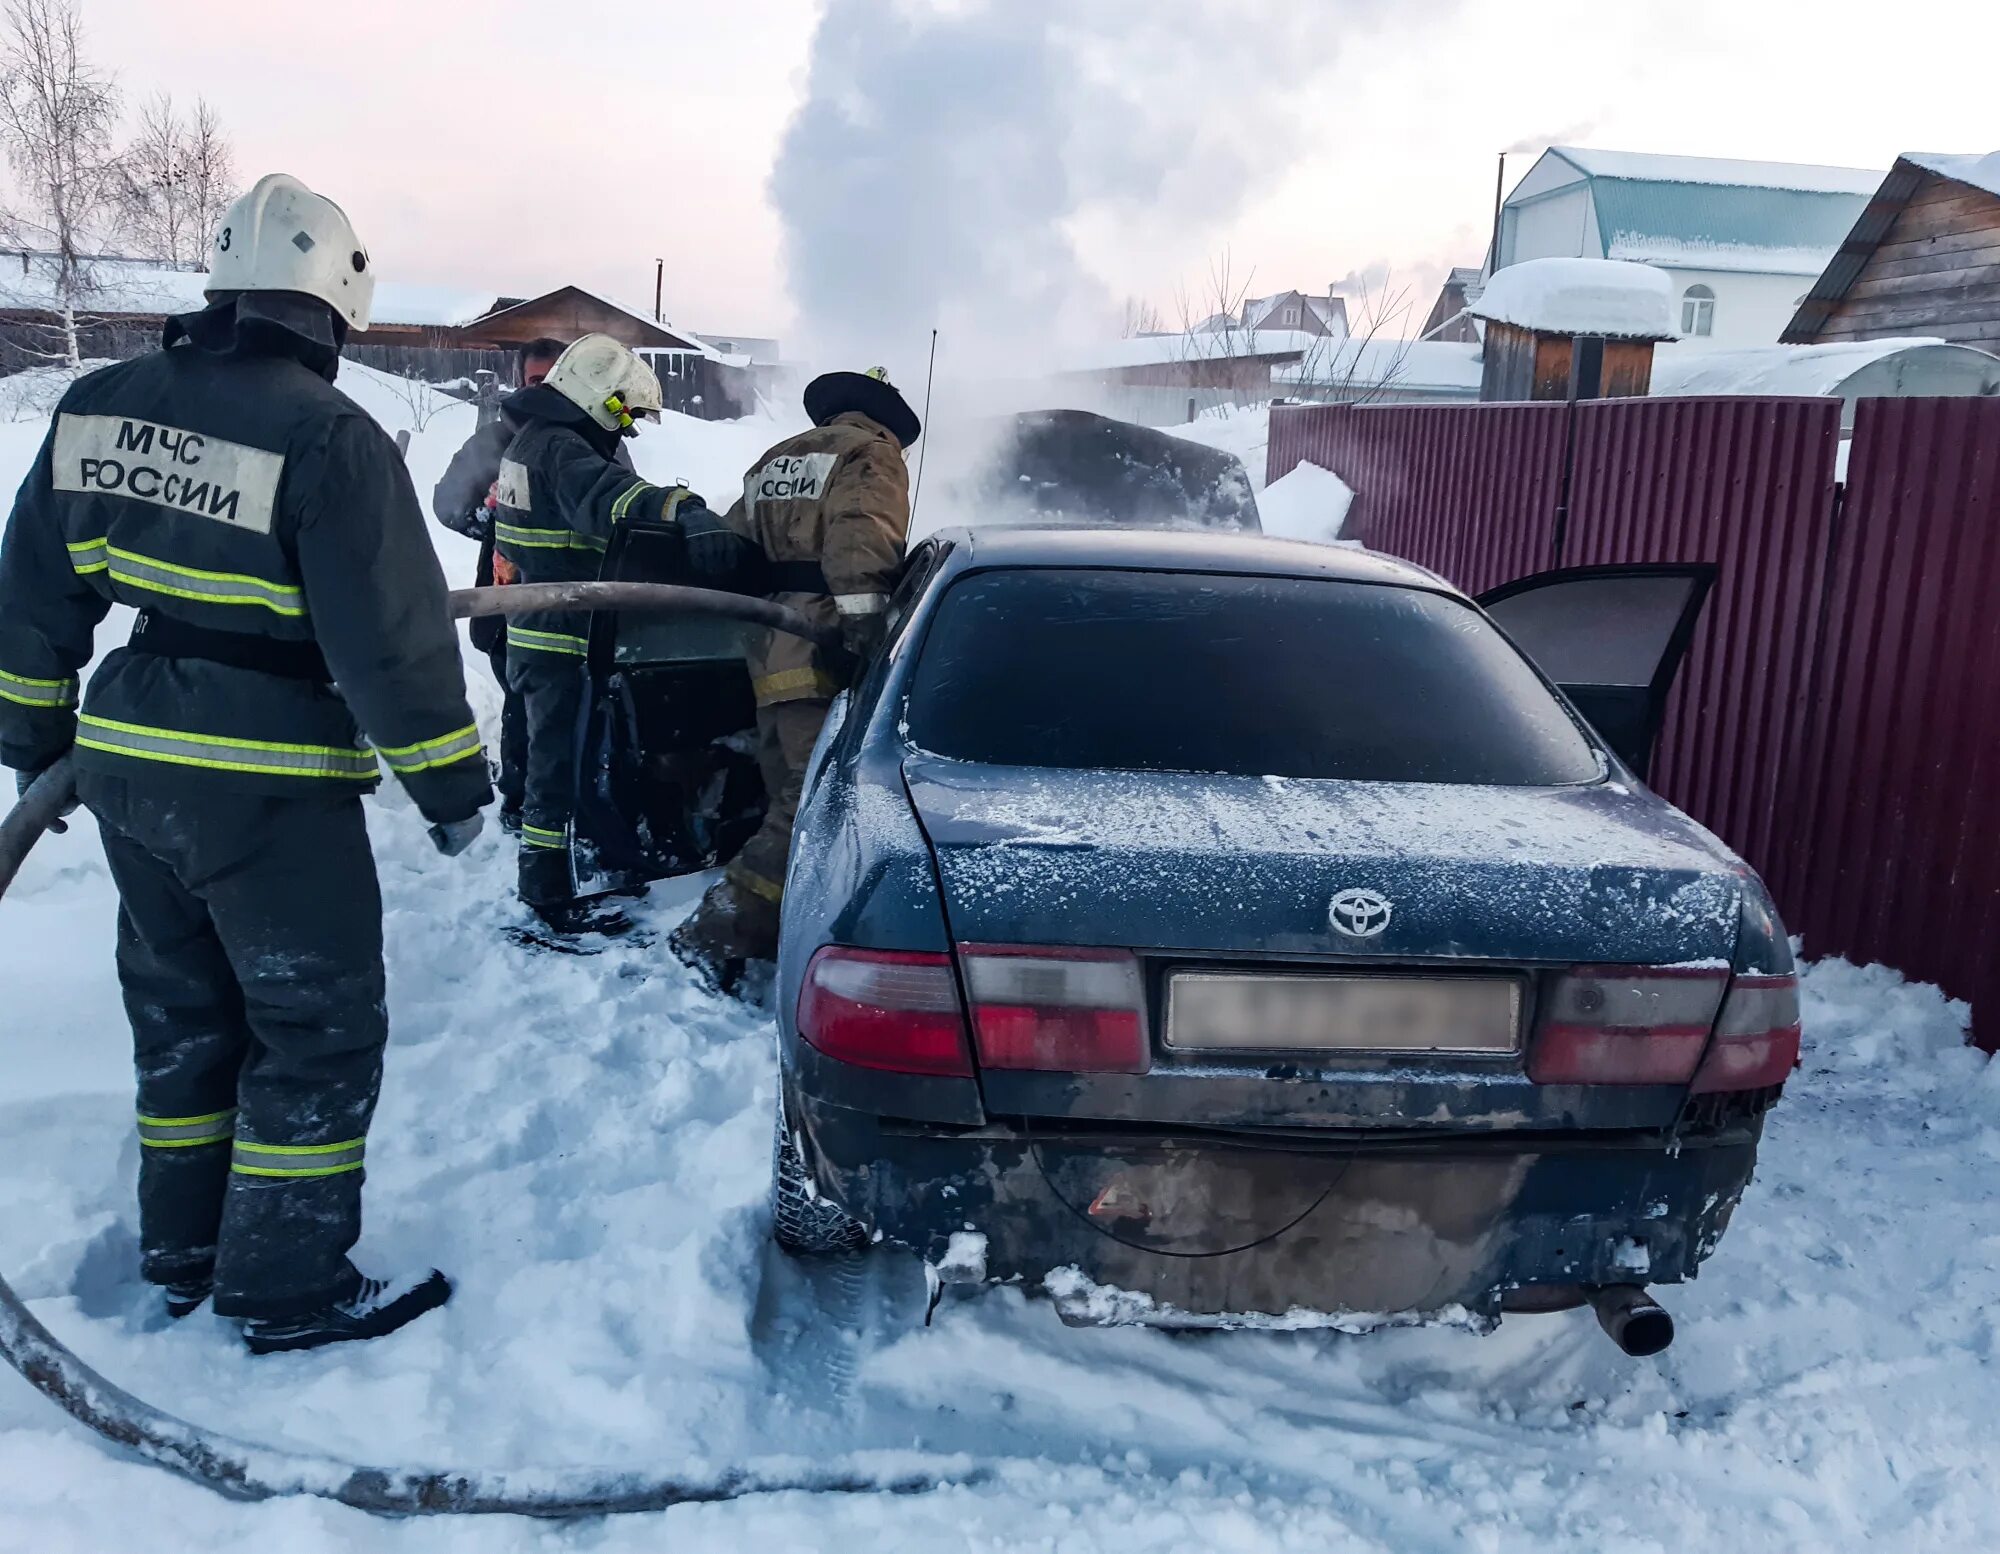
<point x="1052" y="158"/>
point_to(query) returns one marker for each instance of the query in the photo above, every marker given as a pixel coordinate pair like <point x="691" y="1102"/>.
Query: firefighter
<point x="266" y="531"/>
<point x="830" y="510"/>
<point x="463" y="503"/>
<point x="562" y="493"/>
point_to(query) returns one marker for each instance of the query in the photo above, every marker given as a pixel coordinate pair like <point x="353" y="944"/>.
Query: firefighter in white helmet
<point x="562" y="494"/>
<point x="265" y="529"/>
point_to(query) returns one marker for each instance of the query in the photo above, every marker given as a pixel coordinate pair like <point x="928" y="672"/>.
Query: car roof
<point x="1179" y="550"/>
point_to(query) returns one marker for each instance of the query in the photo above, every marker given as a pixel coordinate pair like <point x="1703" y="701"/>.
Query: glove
<point x="23" y="781"/>
<point x="452" y="837"/>
<point x="477" y="524"/>
<point x="862" y="635"/>
<point x="715" y="551"/>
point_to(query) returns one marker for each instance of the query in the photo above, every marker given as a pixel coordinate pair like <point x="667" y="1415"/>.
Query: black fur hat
<point x="871" y="393"/>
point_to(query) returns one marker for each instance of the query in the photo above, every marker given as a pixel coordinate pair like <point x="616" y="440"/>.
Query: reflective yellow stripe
<point x="750" y="880"/>
<point x="442" y="751"/>
<point x="547" y="641"/>
<point x="541" y="836"/>
<point x="178" y="582"/>
<point x="630" y="495"/>
<point x="298" y="1160"/>
<point x="544" y="539"/>
<point x="222" y="753"/>
<point x="186" y="1132"/>
<point x="37" y="693"/>
<point x="780" y="686"/>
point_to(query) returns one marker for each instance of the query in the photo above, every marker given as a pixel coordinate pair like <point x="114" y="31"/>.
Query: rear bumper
<point x="1134" y="1226"/>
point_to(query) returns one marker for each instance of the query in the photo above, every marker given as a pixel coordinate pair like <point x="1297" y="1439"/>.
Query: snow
<point x="1728" y="172"/>
<point x="1582" y="297"/>
<point x="1677" y="253"/>
<point x="1310" y="503"/>
<point x="1354" y="366"/>
<point x="1980" y="172"/>
<point x="584" y="1144"/>
<point x="1192" y="346"/>
<point x="1813" y="370"/>
<point x="141" y="286"/>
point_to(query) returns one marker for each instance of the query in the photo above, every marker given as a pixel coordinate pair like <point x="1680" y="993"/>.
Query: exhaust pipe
<point x="1633" y="1320"/>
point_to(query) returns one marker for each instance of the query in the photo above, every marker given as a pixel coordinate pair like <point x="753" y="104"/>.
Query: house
<point x="1324" y="316"/>
<point x="1383" y="371"/>
<point x="1742" y="241"/>
<point x="1450" y="319"/>
<point x="1923" y="258"/>
<point x="1164" y="380"/>
<point x="434" y="332"/>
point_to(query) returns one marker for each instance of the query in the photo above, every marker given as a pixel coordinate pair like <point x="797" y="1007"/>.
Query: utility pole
<point x="1499" y="194"/>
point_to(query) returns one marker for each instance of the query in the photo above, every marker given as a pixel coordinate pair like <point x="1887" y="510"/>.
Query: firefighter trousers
<point x="554" y="692"/>
<point x="739" y="916"/>
<point x="250" y="956"/>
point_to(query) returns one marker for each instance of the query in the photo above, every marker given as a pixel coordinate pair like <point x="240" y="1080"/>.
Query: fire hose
<point x="244" y="1471"/>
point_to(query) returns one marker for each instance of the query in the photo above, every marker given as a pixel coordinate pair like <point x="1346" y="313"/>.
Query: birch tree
<point x="58" y="112"/>
<point x="177" y="177"/>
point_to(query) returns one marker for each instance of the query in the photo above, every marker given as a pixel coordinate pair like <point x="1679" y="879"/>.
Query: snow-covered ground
<point x="584" y="1143"/>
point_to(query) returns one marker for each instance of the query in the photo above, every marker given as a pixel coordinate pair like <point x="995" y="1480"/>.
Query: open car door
<point x="1613" y="638"/>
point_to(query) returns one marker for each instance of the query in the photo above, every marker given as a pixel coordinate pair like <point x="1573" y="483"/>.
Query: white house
<point x="1743" y="241"/>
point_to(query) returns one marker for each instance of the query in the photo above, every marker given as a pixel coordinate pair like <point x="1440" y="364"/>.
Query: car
<point x="673" y="784"/>
<point x="1211" y="930"/>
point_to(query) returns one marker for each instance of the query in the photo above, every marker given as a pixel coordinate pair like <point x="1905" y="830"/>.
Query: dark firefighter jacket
<point x="223" y="485"/>
<point x="459" y="501"/>
<point x="564" y="488"/>
<point x="838" y="495"/>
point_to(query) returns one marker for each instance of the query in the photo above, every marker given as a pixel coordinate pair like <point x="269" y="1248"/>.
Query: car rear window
<point x="1256" y="676"/>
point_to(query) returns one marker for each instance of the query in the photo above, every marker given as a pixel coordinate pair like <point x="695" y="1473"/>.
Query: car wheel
<point x="803" y="1222"/>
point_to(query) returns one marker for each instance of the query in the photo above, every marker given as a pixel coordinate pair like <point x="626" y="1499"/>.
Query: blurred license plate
<point x="1210" y="1013"/>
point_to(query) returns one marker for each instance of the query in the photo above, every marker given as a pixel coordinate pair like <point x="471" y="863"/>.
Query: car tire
<point x="802" y="1221"/>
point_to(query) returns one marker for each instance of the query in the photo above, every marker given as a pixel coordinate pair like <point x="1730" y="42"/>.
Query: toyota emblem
<point x="1360" y="914"/>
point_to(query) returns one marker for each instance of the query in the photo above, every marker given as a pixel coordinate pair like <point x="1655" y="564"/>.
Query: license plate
<point x="1411" y="1015"/>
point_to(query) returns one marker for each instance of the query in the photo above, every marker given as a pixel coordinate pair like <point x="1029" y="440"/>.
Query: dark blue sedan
<point x="1217" y="931"/>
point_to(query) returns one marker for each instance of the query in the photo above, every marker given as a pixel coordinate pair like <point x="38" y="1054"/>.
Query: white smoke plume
<point x="950" y="152"/>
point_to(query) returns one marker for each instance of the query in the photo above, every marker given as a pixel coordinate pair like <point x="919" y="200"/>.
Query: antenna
<point x="924" y="453"/>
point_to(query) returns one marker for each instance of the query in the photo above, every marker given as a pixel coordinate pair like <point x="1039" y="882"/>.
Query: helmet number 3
<point x="222" y="242"/>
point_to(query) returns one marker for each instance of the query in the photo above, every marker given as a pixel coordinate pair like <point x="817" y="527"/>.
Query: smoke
<point x="950" y="154"/>
<point x="1568" y="135"/>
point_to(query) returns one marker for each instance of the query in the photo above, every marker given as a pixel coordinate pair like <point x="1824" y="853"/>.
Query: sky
<point x="520" y="145"/>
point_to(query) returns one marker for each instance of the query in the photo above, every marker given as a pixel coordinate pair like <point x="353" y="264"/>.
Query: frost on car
<point x="1252" y="930"/>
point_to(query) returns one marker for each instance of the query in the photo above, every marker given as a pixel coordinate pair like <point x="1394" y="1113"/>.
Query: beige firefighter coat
<point x="838" y="495"/>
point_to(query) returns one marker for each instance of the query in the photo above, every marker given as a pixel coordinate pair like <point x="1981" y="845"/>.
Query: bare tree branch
<point x="57" y="114"/>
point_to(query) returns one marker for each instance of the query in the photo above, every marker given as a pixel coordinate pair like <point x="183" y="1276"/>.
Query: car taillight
<point x="1062" y="1010"/>
<point x="896" y="1010"/>
<point x="1757" y="1038"/>
<point x="1626" y="1025"/>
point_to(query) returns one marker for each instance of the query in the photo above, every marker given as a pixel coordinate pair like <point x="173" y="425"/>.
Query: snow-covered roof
<point x="144" y="287"/>
<point x="1816" y="370"/>
<point x="1434" y="366"/>
<point x="1191" y="346"/>
<point x="1981" y="172"/>
<point x="1607" y="297"/>
<point x="1720" y="172"/>
<point x="1331" y="311"/>
<point x="1708" y="213"/>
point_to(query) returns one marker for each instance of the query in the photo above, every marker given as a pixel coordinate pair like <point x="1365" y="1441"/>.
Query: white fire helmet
<point x="283" y="237"/>
<point x="607" y="382"/>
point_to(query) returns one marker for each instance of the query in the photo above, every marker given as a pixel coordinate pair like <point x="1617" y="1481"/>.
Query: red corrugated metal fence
<point x="1838" y="721"/>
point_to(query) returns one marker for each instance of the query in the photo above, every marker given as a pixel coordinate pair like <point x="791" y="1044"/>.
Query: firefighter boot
<point x="184" y="1298"/>
<point x="548" y="886"/>
<point x="377" y="1309"/>
<point x="728" y="931"/>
